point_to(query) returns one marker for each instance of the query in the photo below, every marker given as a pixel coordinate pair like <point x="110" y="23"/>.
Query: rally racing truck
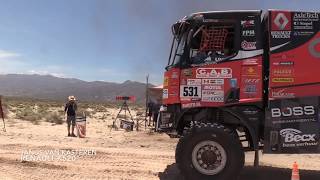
<point x="239" y="81"/>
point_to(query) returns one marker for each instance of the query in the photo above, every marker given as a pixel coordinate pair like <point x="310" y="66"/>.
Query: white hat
<point x="72" y="98"/>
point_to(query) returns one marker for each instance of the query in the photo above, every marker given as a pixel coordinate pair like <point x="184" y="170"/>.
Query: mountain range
<point x="56" y="88"/>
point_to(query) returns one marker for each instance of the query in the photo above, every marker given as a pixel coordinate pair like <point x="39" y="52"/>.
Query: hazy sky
<point x="111" y="40"/>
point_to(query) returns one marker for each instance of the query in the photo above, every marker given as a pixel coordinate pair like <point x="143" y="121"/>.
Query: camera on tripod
<point x="125" y="98"/>
<point x="125" y="123"/>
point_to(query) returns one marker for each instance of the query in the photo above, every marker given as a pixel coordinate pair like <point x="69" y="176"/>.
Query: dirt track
<point x="118" y="155"/>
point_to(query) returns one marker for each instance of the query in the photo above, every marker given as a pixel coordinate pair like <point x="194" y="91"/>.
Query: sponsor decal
<point x="281" y="25"/>
<point x="282" y="80"/>
<point x="250" y="88"/>
<point x="251" y="81"/>
<point x="250" y="71"/>
<point x="247" y="23"/>
<point x="193" y="82"/>
<point x="283" y="72"/>
<point x="250" y="62"/>
<point x="292" y="135"/>
<point x="292" y="111"/>
<point x="187" y="72"/>
<point x="173" y="94"/>
<point x="166" y="81"/>
<point x="212" y="96"/>
<point x="190" y="92"/>
<point x="246" y="45"/>
<point x="175" y="75"/>
<point x="210" y="87"/>
<point x="218" y="59"/>
<point x="281" y="21"/>
<point x="214" y="73"/>
<point x="165" y="93"/>
<point x="303" y="33"/>
<point x="196" y="99"/>
<point x="302" y="26"/>
<point x="191" y="105"/>
<point x="308" y="16"/>
<point x="213" y="99"/>
<point x="183" y="81"/>
<point x="249" y="33"/>
<point x="284" y="63"/>
<point x="282" y="94"/>
<point x="212" y="93"/>
<point x="250" y="112"/>
<point x="212" y="81"/>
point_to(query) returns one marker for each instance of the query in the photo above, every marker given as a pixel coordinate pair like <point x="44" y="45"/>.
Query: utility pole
<point x="147" y="98"/>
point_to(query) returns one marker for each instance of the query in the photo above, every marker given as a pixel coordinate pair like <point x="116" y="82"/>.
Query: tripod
<point x="124" y="107"/>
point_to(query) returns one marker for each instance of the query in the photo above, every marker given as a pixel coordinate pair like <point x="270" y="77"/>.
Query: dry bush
<point x="28" y="114"/>
<point x="100" y="108"/>
<point x="54" y="117"/>
<point x="85" y="112"/>
<point x="140" y="113"/>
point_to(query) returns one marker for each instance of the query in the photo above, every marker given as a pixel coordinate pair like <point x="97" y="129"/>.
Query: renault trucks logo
<point x="281" y="21"/>
<point x="281" y="25"/>
<point x="295" y="136"/>
<point x="292" y="111"/>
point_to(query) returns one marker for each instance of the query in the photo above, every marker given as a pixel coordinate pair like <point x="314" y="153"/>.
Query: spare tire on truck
<point x="210" y="151"/>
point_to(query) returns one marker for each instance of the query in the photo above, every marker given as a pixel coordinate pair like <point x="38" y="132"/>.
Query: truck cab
<point x="216" y="62"/>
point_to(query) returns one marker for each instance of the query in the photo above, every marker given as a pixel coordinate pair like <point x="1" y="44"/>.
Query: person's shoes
<point x="73" y="135"/>
<point x="69" y="135"/>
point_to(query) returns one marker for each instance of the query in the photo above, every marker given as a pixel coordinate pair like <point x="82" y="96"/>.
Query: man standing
<point x="155" y="112"/>
<point x="70" y="109"/>
<point x="149" y="110"/>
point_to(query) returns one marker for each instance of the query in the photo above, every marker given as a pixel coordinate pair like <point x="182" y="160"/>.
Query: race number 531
<point x="190" y="91"/>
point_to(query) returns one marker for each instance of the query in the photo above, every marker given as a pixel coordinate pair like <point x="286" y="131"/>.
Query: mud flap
<point x="292" y="126"/>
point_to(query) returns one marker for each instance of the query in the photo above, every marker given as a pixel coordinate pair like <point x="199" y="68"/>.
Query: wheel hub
<point x="209" y="157"/>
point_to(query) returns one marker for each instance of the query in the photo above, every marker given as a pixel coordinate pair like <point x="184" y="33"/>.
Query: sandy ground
<point x="115" y="155"/>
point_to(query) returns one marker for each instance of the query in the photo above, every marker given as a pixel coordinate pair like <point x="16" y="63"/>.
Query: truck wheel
<point x="210" y="151"/>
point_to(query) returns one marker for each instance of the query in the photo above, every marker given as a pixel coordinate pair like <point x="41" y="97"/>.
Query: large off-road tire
<point x="210" y="151"/>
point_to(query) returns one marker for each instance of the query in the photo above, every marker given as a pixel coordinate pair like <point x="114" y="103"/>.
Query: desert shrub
<point x="54" y="117"/>
<point x="83" y="112"/>
<point x="42" y="110"/>
<point x="140" y="113"/>
<point x="28" y="114"/>
<point x="100" y="108"/>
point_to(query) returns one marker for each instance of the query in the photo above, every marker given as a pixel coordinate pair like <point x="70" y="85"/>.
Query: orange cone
<point x="295" y="172"/>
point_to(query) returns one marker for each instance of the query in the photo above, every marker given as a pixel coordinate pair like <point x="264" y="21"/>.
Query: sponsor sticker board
<point x="292" y="126"/>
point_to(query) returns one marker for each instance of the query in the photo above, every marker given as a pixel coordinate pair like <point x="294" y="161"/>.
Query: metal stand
<point x="256" y="158"/>
<point x="124" y="107"/>
<point x="147" y="100"/>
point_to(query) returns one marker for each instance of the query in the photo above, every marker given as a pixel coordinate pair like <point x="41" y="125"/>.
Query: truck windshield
<point x="212" y="43"/>
<point x="205" y="43"/>
<point x="177" y="50"/>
